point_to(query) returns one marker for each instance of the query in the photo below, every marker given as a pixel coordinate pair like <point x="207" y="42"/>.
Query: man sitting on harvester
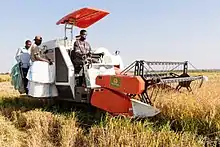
<point x="36" y="53"/>
<point x="41" y="73"/>
<point x="81" y="51"/>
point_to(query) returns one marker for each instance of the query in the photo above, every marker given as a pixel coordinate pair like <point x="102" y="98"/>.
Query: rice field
<point x="186" y="120"/>
<point x="4" y="78"/>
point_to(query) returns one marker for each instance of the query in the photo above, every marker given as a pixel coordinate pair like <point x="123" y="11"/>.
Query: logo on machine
<point x="115" y="82"/>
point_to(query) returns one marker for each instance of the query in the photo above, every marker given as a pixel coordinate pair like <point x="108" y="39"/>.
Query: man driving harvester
<point x="81" y="51"/>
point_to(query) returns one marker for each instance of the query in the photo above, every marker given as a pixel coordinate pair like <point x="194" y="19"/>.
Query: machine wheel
<point x="99" y="113"/>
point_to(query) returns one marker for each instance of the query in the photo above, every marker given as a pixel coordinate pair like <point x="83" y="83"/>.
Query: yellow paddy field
<point x="186" y="120"/>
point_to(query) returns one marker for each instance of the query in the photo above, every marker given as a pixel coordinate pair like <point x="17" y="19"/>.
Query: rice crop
<point x="186" y="119"/>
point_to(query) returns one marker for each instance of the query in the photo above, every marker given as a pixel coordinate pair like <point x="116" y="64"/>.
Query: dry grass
<point x="202" y="106"/>
<point x="185" y="120"/>
<point x="4" y="78"/>
<point x="9" y="135"/>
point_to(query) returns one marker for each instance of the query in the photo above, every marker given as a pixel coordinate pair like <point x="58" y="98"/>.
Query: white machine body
<point x="59" y="53"/>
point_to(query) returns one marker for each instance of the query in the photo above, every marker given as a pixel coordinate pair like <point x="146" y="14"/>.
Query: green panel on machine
<point x="115" y="82"/>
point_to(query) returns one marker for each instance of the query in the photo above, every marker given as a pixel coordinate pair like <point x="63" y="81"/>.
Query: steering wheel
<point x="87" y="61"/>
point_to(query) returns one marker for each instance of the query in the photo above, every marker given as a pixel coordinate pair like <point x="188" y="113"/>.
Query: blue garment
<point x="17" y="80"/>
<point x="23" y="56"/>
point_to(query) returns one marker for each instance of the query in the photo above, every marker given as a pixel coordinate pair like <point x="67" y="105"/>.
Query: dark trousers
<point x="25" y="71"/>
<point x="78" y="65"/>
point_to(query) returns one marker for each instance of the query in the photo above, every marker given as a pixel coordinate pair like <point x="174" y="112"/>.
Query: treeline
<point x="205" y="70"/>
<point x="6" y="73"/>
<point x="191" y="70"/>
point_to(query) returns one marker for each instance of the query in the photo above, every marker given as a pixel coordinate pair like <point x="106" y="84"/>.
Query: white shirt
<point x="23" y="56"/>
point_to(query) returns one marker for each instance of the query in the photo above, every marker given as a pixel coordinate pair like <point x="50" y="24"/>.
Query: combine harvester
<point x="108" y="86"/>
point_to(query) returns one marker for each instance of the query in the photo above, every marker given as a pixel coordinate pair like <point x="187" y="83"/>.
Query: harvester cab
<point x="74" y="86"/>
<point x="101" y="84"/>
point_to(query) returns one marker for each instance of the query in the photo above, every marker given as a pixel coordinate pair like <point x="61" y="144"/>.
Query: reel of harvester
<point x="163" y="77"/>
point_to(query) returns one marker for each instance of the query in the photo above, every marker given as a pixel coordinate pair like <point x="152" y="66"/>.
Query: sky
<point x="171" y="30"/>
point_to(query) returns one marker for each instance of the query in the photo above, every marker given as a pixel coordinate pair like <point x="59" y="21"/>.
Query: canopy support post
<point x="70" y="28"/>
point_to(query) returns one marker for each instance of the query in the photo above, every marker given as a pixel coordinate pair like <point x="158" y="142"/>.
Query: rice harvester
<point x="106" y="84"/>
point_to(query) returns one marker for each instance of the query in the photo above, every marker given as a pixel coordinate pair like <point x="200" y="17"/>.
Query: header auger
<point x="107" y="85"/>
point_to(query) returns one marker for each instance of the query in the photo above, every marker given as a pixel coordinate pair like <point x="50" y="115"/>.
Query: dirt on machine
<point x="106" y="85"/>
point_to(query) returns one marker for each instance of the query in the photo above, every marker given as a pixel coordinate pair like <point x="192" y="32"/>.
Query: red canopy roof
<point x="83" y="18"/>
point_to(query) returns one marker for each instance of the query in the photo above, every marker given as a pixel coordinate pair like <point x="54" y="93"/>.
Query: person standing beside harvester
<point x="23" y="58"/>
